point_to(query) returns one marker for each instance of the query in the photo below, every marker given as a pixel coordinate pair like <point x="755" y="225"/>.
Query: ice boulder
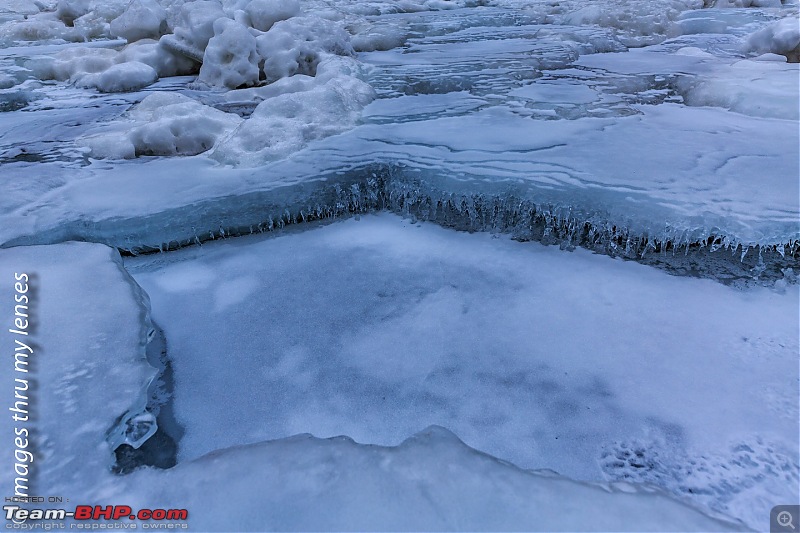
<point x="264" y="13"/>
<point x="121" y="77"/>
<point x="296" y="46"/>
<point x="164" y="124"/>
<point x="781" y="37"/>
<point x="194" y="27"/>
<point x="286" y="123"/>
<point x="230" y="59"/>
<point x="141" y="20"/>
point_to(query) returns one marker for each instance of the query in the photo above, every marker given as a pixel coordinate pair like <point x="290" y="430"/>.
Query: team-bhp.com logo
<point x="96" y="512"/>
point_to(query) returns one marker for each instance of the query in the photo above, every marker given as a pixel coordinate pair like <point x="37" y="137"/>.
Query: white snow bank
<point x="141" y="20"/>
<point x="431" y="482"/>
<point x="287" y="122"/>
<point x="780" y="37"/>
<point x="163" y="124"/>
<point x="89" y="329"/>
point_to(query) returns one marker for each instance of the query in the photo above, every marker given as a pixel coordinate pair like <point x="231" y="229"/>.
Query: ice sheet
<point x="591" y="367"/>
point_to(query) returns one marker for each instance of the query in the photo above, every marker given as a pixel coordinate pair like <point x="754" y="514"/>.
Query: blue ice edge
<point x="619" y="224"/>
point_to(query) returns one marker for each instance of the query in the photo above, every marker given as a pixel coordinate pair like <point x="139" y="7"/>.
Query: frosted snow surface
<point x="594" y="368"/>
<point x="671" y="122"/>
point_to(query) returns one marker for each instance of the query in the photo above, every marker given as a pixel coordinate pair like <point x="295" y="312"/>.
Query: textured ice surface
<point x="589" y="366"/>
<point x="89" y="331"/>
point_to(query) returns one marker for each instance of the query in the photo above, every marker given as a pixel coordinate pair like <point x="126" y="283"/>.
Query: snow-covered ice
<point x="591" y="367"/>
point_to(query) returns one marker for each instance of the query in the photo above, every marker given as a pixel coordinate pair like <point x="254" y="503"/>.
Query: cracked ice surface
<point x="542" y="102"/>
<point x="582" y="364"/>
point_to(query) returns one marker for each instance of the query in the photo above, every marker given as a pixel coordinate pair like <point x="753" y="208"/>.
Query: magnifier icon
<point x="785" y="519"/>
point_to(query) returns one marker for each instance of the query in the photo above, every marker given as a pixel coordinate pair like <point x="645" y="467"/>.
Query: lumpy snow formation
<point x="663" y="131"/>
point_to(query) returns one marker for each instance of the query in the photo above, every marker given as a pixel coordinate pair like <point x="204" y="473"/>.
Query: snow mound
<point x="134" y="67"/>
<point x="297" y="45"/>
<point x="780" y="37"/>
<point x="287" y="122"/>
<point x="141" y="20"/>
<point x="164" y="124"/>
<point x="230" y="59"/>
<point x="122" y="77"/>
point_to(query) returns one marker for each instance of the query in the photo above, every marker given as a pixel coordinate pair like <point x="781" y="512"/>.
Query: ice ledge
<point x="546" y="216"/>
<point x="430" y="482"/>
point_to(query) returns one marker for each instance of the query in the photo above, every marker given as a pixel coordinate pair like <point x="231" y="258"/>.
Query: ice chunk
<point x="164" y="124"/>
<point x="264" y="13"/>
<point x="285" y="123"/>
<point x="194" y="28"/>
<point x="230" y="59"/>
<point x="141" y="20"/>
<point x="121" y="77"/>
<point x="297" y="45"/>
<point x="74" y="63"/>
<point x="69" y="10"/>
<point x="780" y="37"/>
<point x="757" y="88"/>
